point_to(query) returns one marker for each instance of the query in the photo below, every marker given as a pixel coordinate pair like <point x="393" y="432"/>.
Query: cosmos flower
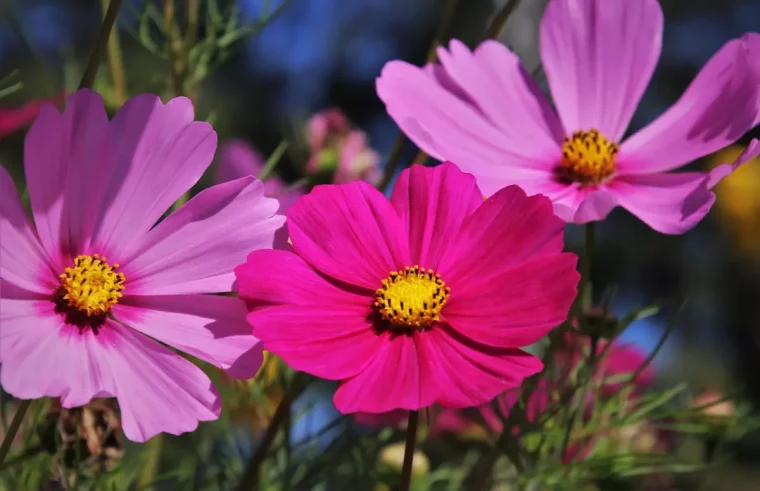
<point x="85" y="288"/>
<point x="13" y="119"/>
<point x="484" y="112"/>
<point x="424" y="299"/>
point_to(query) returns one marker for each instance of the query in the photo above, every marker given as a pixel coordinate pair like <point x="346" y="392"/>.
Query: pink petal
<point x="65" y="159"/>
<point x="468" y="374"/>
<point x="350" y="232"/>
<point x="237" y="159"/>
<point x="394" y="379"/>
<point x="433" y="202"/>
<point x="517" y="307"/>
<point x="283" y="278"/>
<point x="210" y="327"/>
<point x="584" y="205"/>
<point x="23" y="261"/>
<point x="156" y="389"/>
<point x="195" y="249"/>
<point x="157" y="153"/>
<point x="504" y="231"/>
<point x="718" y="108"/>
<point x="599" y="56"/>
<point x="724" y="170"/>
<point x="448" y="127"/>
<point x="669" y="203"/>
<point x="495" y="81"/>
<point x="313" y="324"/>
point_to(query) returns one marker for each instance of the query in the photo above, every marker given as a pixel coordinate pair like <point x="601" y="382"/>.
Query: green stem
<point x="588" y="256"/>
<point x="500" y="19"/>
<point x="115" y="63"/>
<point x="411" y="442"/>
<point x="13" y="429"/>
<point x="151" y="463"/>
<point x="109" y="19"/>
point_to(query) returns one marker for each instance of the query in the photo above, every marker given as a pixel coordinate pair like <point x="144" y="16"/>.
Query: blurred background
<point x="263" y="84"/>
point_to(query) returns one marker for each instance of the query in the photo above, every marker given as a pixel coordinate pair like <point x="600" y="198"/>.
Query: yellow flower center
<point x="588" y="157"/>
<point x="92" y="286"/>
<point x="412" y="298"/>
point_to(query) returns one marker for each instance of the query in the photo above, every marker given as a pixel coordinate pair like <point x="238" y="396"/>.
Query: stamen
<point x="92" y="286"/>
<point x="420" y="293"/>
<point x="588" y="158"/>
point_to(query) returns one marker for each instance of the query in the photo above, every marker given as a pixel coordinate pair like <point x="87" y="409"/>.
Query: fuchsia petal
<point x="23" y="261"/>
<point x="157" y="389"/>
<point x="210" y="327"/>
<point x="599" y="56"/>
<point x="350" y="232"/>
<point x="517" y="307"/>
<point x="669" y="203"/>
<point x="504" y="231"/>
<point x="433" y="202"/>
<point x="157" y="153"/>
<point x="718" y="108"/>
<point x="427" y="105"/>
<point x="724" y="170"/>
<point x="394" y="379"/>
<point x="497" y="84"/>
<point x="468" y="374"/>
<point x="312" y="324"/>
<point x="65" y="158"/>
<point x="195" y="249"/>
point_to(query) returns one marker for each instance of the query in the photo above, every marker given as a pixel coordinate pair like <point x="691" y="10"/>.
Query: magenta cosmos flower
<point x="84" y="289"/>
<point x="483" y="111"/>
<point x="424" y="299"/>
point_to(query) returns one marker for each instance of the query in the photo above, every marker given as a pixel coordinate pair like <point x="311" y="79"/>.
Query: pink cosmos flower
<point x="85" y="288"/>
<point x="13" y="119"/>
<point x="424" y="299"/>
<point x="483" y="111"/>
<point x="333" y="143"/>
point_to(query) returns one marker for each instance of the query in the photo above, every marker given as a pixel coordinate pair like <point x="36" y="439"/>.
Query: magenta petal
<point x="212" y="328"/>
<point x="467" y="374"/>
<point x="392" y="381"/>
<point x="65" y="163"/>
<point x="669" y="203"/>
<point x="599" y="56"/>
<point x="517" y="307"/>
<point x="157" y="390"/>
<point x="23" y="261"/>
<point x="157" y="153"/>
<point x="350" y="232"/>
<point x="494" y="79"/>
<point x="237" y="159"/>
<point x="196" y="248"/>
<point x="718" y="108"/>
<point x="433" y="202"/>
<point x="504" y="231"/>
<point x="723" y="170"/>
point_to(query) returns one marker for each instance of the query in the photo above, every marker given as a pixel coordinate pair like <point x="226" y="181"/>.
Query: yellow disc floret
<point x="412" y="298"/>
<point x="588" y="157"/>
<point x="92" y="286"/>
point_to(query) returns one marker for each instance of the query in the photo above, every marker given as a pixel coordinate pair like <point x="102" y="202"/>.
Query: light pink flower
<point x="424" y="299"/>
<point x="333" y="143"/>
<point x="483" y="111"/>
<point x="85" y="288"/>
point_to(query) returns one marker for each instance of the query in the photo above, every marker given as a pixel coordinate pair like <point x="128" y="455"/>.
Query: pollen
<point x="588" y="158"/>
<point x="412" y="298"/>
<point x="92" y="286"/>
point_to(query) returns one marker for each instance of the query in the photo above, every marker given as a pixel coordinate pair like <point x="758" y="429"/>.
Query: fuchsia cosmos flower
<point x="13" y="119"/>
<point x="424" y="299"/>
<point x="84" y="289"/>
<point x="483" y="111"/>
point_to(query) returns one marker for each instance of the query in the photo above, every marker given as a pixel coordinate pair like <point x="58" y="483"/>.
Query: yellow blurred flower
<point x="738" y="199"/>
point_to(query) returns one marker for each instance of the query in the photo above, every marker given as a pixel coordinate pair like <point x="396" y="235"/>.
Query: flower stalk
<point x="411" y="442"/>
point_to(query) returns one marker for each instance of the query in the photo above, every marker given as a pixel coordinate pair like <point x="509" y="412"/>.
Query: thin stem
<point x="500" y="19"/>
<point x="151" y="463"/>
<point x="13" y="429"/>
<point x="411" y="442"/>
<point x="176" y="46"/>
<point x="250" y="479"/>
<point x="23" y="456"/>
<point x="588" y="257"/>
<point x="109" y="19"/>
<point x="447" y="17"/>
<point x="115" y="63"/>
